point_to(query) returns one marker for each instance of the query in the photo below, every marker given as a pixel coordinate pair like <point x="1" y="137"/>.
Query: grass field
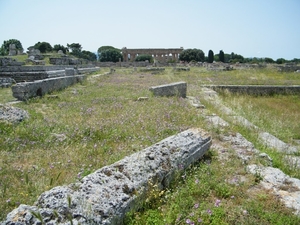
<point x="96" y="123"/>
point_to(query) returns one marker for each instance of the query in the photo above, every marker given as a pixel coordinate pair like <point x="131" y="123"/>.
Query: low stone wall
<point x="32" y="73"/>
<point x="257" y="89"/>
<point x="24" y="91"/>
<point x="7" y="61"/>
<point x="87" y="70"/>
<point x="67" y="61"/>
<point x="32" y="68"/>
<point x="153" y="69"/>
<point x="288" y="68"/>
<point x="25" y="76"/>
<point x="173" y="89"/>
<point x="105" y="196"/>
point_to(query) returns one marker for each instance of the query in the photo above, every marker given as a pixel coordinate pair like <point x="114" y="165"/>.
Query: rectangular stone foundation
<point x="174" y="89"/>
<point x="26" y="90"/>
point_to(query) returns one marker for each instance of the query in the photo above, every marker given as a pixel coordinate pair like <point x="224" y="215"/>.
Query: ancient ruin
<point x="14" y="51"/>
<point x="24" y="91"/>
<point x="105" y="196"/>
<point x="160" y="54"/>
<point x="175" y="89"/>
<point x="53" y="80"/>
<point x="257" y="89"/>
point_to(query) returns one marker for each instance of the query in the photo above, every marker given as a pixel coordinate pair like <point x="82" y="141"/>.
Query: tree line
<point x="74" y="49"/>
<point x="197" y="55"/>
<point x="112" y="54"/>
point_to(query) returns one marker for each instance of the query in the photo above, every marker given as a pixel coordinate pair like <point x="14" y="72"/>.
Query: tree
<point x="142" y="58"/>
<point x="280" y="61"/>
<point x="221" y="56"/>
<point x="210" y="56"/>
<point x="103" y="48"/>
<point x="88" y="55"/>
<point x="189" y="55"/>
<point x="234" y="58"/>
<point x="269" y="60"/>
<point x="43" y="47"/>
<point x="75" y="48"/>
<point x="110" y="55"/>
<point x="4" y="50"/>
<point x="60" y="47"/>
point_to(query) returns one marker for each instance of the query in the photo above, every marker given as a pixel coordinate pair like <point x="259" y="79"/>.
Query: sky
<point x="251" y="28"/>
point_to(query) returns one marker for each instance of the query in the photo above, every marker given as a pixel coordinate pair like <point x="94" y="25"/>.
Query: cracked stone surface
<point x="105" y="196"/>
<point x="12" y="114"/>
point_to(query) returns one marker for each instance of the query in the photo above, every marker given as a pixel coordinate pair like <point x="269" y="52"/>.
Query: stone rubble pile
<point x="12" y="114"/>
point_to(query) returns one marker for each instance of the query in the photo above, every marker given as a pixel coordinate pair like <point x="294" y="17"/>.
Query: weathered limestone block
<point x="6" y="61"/>
<point x="70" y="72"/>
<point x="88" y="70"/>
<point x="105" y="196"/>
<point x="65" y="61"/>
<point x="173" y="89"/>
<point x="280" y="184"/>
<point x="12" y="114"/>
<point x="6" y="82"/>
<point x="56" y="73"/>
<point x="24" y="91"/>
<point x="12" y="50"/>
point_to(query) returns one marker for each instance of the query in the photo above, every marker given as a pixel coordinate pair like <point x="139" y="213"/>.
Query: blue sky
<point x="252" y="28"/>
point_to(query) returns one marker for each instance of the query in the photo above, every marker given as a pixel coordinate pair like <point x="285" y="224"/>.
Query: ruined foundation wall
<point x="173" y="89"/>
<point x="32" y="73"/>
<point x="24" y="91"/>
<point x="257" y="89"/>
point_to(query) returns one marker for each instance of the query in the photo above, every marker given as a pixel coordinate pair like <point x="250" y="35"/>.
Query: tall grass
<point x="275" y="114"/>
<point x="96" y="123"/>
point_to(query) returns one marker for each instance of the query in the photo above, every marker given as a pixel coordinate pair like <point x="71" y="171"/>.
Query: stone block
<point x="6" y="82"/>
<point x="26" y="90"/>
<point x="105" y="196"/>
<point x="70" y="72"/>
<point x="174" y="89"/>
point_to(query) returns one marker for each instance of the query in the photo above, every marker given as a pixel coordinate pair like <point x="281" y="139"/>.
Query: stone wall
<point x="24" y="91"/>
<point x="105" y="196"/>
<point x="6" y="82"/>
<point x="6" y="61"/>
<point x="257" y="89"/>
<point x="67" y="61"/>
<point x="32" y="73"/>
<point x="288" y="68"/>
<point x="40" y="68"/>
<point x="173" y="89"/>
